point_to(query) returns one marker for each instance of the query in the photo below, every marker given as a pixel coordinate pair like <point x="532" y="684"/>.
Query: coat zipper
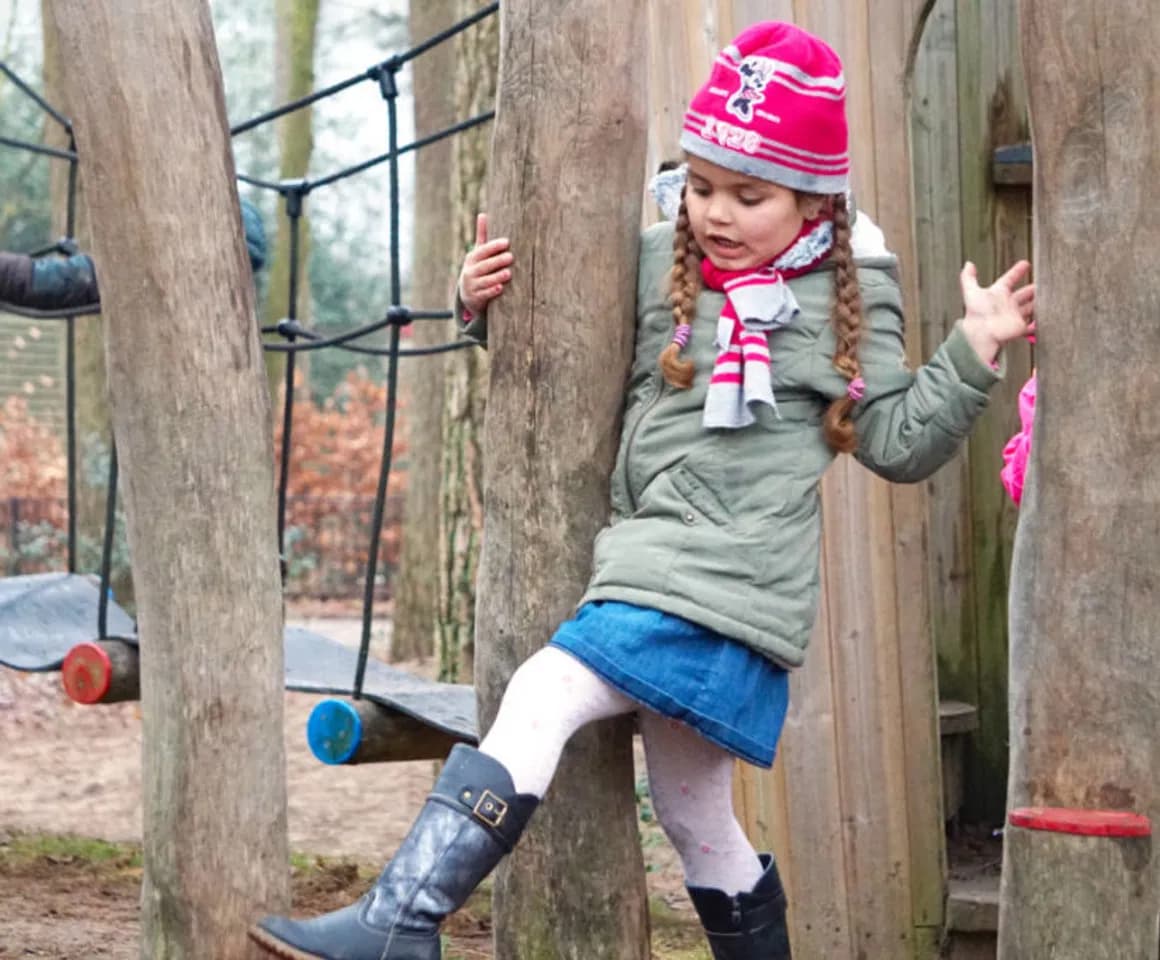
<point x="632" y="437"/>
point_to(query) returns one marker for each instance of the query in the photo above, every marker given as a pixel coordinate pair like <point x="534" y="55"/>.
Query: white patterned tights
<point x="552" y="695"/>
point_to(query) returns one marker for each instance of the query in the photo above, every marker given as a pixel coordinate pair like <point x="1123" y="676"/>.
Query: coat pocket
<point x="699" y="495"/>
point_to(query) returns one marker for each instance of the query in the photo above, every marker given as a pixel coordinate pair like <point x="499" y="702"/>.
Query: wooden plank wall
<point x="968" y="100"/>
<point x="853" y="808"/>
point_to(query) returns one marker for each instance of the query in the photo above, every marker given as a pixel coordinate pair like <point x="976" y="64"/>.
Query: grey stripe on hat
<point x="768" y="143"/>
<point x="762" y="169"/>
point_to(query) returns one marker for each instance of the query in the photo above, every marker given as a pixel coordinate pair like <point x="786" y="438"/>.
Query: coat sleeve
<point x="908" y="424"/>
<point x="15" y="278"/>
<point x="470" y="325"/>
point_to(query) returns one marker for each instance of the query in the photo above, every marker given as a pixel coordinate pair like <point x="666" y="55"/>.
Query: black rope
<point x="390" y="92"/>
<point x="408" y="148"/>
<point x="107" y="544"/>
<point x="65" y="313"/>
<point x="294" y="212"/>
<point x="33" y="95"/>
<point x="482" y="14"/>
<point x="376" y="161"/>
<point x="391" y="66"/>
<point x="261" y="118"/>
<point x="70" y="226"/>
<point x="37" y="148"/>
<point x="70" y="399"/>
<point x="398" y="316"/>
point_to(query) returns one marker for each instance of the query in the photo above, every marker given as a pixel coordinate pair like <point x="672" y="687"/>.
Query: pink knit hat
<point x="774" y="108"/>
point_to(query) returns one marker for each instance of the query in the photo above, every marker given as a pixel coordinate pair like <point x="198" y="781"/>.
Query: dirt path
<point x="66" y="769"/>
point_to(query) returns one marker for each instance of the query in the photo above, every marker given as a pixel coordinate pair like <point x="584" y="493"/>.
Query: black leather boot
<point x="472" y="818"/>
<point x="749" y="926"/>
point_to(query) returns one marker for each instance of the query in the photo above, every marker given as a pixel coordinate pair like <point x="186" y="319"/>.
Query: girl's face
<point x="738" y="221"/>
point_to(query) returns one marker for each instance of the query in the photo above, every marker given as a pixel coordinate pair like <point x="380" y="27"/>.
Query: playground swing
<point x="376" y="712"/>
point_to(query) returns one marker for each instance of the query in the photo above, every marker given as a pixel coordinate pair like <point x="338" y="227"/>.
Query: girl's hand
<point x="997" y="314"/>
<point x="486" y="269"/>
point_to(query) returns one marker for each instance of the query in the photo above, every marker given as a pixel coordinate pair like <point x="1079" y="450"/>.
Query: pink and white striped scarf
<point x="757" y="302"/>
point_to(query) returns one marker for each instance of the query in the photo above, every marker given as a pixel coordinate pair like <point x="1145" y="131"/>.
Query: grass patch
<point x="676" y="936"/>
<point x="24" y="850"/>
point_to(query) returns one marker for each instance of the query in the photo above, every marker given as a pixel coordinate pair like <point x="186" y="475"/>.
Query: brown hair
<point x="846" y="317"/>
<point x="685" y="284"/>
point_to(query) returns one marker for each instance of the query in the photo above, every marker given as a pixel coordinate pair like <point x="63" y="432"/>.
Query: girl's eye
<point x="700" y="191"/>
<point x="750" y="201"/>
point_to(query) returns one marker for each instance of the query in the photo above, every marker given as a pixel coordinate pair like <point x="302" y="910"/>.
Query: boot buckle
<point x="490" y="809"/>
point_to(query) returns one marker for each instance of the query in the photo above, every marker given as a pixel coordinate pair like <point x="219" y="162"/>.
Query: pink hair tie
<point x="856" y="389"/>
<point x="681" y="335"/>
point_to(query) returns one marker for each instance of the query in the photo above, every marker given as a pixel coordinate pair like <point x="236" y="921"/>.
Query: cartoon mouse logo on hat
<point x="754" y="73"/>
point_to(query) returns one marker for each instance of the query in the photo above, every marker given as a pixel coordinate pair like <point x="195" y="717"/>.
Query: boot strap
<point x="503" y="819"/>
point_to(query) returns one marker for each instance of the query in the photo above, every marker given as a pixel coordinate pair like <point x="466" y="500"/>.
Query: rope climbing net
<point x="294" y="337"/>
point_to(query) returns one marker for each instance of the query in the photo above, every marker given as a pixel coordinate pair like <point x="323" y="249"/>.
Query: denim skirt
<point x="731" y="695"/>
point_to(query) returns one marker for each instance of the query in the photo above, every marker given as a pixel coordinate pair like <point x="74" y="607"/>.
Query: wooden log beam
<point x="362" y="731"/>
<point x="103" y="671"/>
<point x="1085" y="592"/>
<point x="567" y="161"/>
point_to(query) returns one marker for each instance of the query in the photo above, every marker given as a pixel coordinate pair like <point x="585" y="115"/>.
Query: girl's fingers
<point x="1025" y="294"/>
<point x="490" y="285"/>
<point x="1013" y="277"/>
<point x="487" y="251"/>
<point x="968" y="278"/>
<point x="498" y="277"/>
<point x="480" y="229"/>
<point x="494" y="263"/>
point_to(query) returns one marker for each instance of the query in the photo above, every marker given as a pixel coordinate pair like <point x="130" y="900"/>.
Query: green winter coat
<point x="723" y="527"/>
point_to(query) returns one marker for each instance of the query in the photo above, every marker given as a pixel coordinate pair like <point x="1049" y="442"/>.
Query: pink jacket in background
<point x="1019" y="446"/>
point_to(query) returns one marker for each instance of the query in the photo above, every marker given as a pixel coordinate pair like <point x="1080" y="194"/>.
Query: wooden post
<point x="1085" y="596"/>
<point x="568" y="152"/>
<point x="191" y="417"/>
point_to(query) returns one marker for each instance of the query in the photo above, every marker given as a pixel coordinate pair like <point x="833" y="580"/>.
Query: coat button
<point x="690" y="518"/>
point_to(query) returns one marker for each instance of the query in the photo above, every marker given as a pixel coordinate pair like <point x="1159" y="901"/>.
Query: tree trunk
<point x="570" y="128"/>
<point x="191" y="416"/>
<point x="466" y="371"/>
<point x="93" y="430"/>
<point x="295" y="32"/>
<point x="1085" y="593"/>
<point x="432" y="279"/>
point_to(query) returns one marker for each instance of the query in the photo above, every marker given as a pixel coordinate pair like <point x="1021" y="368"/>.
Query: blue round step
<point x="334" y="731"/>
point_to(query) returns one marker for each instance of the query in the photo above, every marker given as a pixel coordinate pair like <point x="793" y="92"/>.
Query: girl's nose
<point x="718" y="211"/>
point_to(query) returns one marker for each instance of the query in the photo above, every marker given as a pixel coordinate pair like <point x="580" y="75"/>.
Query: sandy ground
<point x="94" y="758"/>
<point x="70" y="769"/>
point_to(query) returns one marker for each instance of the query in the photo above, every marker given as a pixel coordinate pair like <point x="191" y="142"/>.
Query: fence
<point x="327" y="539"/>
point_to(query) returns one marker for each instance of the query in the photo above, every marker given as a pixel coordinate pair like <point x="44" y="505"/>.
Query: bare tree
<point x="1085" y="601"/>
<point x="465" y="383"/>
<point x="296" y="30"/>
<point x="417" y="593"/>
<point x="191" y="416"/>
<point x="560" y="343"/>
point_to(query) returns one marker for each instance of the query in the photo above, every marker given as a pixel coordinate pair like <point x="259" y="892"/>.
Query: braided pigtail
<point x="684" y="287"/>
<point x="837" y="426"/>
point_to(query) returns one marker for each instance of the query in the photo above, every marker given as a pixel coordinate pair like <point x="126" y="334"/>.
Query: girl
<point x="762" y="350"/>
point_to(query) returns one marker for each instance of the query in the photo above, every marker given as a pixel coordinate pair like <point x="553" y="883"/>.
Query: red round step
<point x="1084" y="823"/>
<point x="86" y="673"/>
